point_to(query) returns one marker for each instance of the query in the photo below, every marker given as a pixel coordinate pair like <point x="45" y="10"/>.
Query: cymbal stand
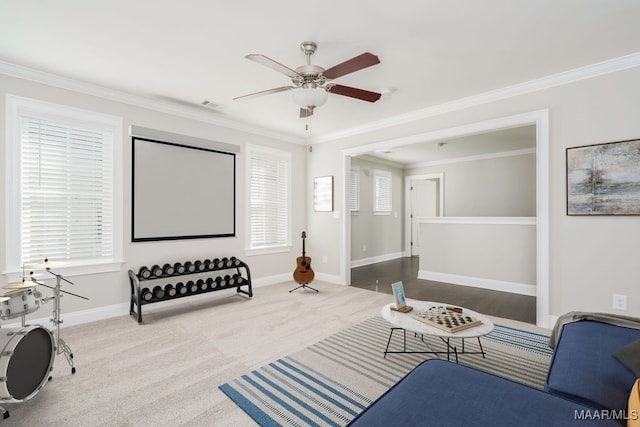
<point x="61" y="345"/>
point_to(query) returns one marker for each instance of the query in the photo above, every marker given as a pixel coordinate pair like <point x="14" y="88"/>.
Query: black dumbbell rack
<point x="171" y="281"/>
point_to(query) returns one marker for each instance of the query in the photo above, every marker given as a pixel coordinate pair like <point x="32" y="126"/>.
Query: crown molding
<point x="37" y="76"/>
<point x="559" y="79"/>
<point x="384" y="162"/>
<point x="497" y="155"/>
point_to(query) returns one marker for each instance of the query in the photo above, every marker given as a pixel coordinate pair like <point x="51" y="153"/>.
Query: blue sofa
<point x="583" y="368"/>
<point x="585" y="386"/>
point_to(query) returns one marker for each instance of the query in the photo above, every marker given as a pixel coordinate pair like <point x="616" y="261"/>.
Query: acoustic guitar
<point x="303" y="272"/>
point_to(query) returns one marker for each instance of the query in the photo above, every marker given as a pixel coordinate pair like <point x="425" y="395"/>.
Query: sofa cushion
<point x="440" y="393"/>
<point x="584" y="369"/>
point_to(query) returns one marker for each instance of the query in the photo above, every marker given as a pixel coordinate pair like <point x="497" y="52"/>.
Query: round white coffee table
<point x="406" y="322"/>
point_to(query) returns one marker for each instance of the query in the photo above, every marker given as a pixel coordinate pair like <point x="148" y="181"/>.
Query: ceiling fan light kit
<point x="311" y="82"/>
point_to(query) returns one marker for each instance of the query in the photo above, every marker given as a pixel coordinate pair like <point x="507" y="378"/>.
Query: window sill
<point x="71" y="270"/>
<point x="267" y="250"/>
<point x="382" y="213"/>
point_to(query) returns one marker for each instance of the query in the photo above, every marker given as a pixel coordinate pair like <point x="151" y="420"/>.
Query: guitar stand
<point x="304" y="286"/>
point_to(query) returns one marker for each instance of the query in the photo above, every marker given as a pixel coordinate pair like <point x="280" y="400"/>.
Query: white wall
<point x="493" y="253"/>
<point x="376" y="237"/>
<point x="590" y="258"/>
<point x="113" y="288"/>
<point x="502" y="186"/>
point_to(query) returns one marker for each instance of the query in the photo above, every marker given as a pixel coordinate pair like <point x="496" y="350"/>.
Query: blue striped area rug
<point x="330" y="382"/>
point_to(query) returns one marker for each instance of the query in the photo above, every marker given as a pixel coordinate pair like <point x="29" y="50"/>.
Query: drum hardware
<point x="61" y="346"/>
<point x="26" y="362"/>
<point x="20" y="300"/>
<point x="18" y="285"/>
<point x="27" y="353"/>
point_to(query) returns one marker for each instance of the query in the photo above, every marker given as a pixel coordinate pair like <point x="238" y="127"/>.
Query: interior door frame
<point x="540" y="119"/>
<point x="408" y="238"/>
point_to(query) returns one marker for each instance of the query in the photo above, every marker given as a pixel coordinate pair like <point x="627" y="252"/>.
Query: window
<point x="354" y="189"/>
<point x="269" y="200"/>
<point x="381" y="192"/>
<point x="63" y="177"/>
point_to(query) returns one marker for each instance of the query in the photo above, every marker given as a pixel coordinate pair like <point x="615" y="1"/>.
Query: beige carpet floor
<point x="166" y="371"/>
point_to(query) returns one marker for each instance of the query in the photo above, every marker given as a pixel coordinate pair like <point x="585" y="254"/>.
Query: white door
<point x="424" y="203"/>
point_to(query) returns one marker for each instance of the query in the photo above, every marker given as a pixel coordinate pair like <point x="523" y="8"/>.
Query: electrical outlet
<point x="324" y="259"/>
<point x="620" y="302"/>
<point x="364" y="248"/>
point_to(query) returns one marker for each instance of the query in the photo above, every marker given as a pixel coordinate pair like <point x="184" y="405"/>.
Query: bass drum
<point x="26" y="361"/>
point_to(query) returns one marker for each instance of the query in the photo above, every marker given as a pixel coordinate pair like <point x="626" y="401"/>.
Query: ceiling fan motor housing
<point x="309" y="76"/>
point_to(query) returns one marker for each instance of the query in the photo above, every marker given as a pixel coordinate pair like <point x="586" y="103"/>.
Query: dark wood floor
<point x="378" y="277"/>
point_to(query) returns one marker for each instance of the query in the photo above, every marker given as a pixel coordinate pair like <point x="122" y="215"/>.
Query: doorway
<point x="424" y="195"/>
<point x="538" y="118"/>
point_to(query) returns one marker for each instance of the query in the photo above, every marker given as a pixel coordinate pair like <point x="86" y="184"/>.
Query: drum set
<point x="27" y="352"/>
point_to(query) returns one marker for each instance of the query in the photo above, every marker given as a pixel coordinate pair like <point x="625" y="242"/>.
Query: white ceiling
<point x="501" y="142"/>
<point x="431" y="51"/>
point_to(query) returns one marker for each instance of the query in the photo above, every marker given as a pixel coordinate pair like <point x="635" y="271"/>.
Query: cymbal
<point x="19" y="285"/>
<point x="44" y="265"/>
<point x="11" y="292"/>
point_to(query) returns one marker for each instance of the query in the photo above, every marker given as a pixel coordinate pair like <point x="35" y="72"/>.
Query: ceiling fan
<point x="312" y="82"/>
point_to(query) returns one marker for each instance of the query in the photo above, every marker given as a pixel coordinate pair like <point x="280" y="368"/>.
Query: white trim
<point x="589" y="71"/>
<point x="510" y="220"/>
<point x="75" y="270"/>
<point x="266" y="251"/>
<point x="164" y="136"/>
<point x="122" y="309"/>
<point x="559" y="79"/>
<point x="543" y="236"/>
<point x="372" y="260"/>
<point x="19" y="105"/>
<point x="272" y="280"/>
<point x="540" y="118"/>
<point x="407" y="204"/>
<point x="288" y="157"/>
<point x="330" y="278"/>
<point x="193" y="113"/>
<point x="501" y="154"/>
<point x="479" y="282"/>
<point x="384" y="162"/>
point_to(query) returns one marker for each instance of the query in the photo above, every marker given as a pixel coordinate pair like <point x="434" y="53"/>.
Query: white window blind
<point x="63" y="187"/>
<point x="354" y="189"/>
<point x="67" y="192"/>
<point x="381" y="191"/>
<point x="269" y="198"/>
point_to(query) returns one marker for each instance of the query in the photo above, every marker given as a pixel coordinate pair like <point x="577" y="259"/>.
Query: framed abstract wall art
<point x="604" y="179"/>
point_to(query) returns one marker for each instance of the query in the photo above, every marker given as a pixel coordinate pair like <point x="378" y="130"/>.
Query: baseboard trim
<point x="478" y="282"/>
<point x="372" y="260"/>
<point x="122" y="309"/>
<point x="331" y="278"/>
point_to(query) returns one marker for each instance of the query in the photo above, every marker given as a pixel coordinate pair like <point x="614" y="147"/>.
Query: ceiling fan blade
<point x="306" y="112"/>
<point x="353" y="92"/>
<point x="351" y="65"/>
<point x="262" y="93"/>
<point x="274" y="65"/>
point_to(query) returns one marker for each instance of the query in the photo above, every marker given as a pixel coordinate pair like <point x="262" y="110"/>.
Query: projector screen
<point x="181" y="191"/>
